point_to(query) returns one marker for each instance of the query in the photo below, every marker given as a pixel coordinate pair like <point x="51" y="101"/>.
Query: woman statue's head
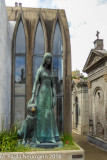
<point x="47" y="60"/>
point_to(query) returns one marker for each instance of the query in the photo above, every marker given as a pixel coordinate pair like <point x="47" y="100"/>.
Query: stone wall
<point x="83" y="125"/>
<point x="5" y="68"/>
<point x="80" y="90"/>
<point x="98" y="107"/>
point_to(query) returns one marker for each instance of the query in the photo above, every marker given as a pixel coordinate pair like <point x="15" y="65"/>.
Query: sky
<point x="85" y="18"/>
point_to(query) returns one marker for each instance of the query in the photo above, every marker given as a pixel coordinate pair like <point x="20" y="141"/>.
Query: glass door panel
<point x="20" y="75"/>
<point x="58" y="75"/>
<point x="39" y="49"/>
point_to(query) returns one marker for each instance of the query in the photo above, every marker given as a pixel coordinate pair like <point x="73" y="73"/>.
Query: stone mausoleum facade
<point x="25" y="35"/>
<point x="96" y="68"/>
<point x="80" y="107"/>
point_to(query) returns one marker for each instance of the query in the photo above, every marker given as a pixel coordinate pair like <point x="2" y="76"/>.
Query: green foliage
<point x="68" y="143"/>
<point x="85" y="78"/>
<point x="8" y="140"/>
<point x="9" y="143"/>
<point x="67" y="139"/>
<point x="21" y="148"/>
<point x="74" y="77"/>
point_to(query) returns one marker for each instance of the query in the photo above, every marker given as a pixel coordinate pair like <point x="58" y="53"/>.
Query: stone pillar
<point x="20" y="4"/>
<point x="16" y="4"/>
<point x="5" y="69"/>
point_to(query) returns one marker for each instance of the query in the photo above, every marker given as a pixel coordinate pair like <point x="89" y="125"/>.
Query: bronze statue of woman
<point x="46" y="124"/>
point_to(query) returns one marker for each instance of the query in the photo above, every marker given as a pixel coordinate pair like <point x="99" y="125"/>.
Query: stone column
<point x="5" y="69"/>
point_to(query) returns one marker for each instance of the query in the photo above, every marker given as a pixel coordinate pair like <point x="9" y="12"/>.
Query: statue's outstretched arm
<point x="53" y="93"/>
<point x="35" y="86"/>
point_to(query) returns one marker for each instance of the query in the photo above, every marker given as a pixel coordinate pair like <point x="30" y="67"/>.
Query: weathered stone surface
<point x="96" y="67"/>
<point x="80" y="108"/>
<point x="5" y="68"/>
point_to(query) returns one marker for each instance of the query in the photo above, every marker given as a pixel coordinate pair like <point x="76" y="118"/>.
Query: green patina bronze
<point x="45" y="123"/>
<point x="28" y="129"/>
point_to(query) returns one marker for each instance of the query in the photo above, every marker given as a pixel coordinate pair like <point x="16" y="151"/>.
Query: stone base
<point x="58" y="144"/>
<point x="47" y="145"/>
<point x="97" y="141"/>
<point x="44" y="155"/>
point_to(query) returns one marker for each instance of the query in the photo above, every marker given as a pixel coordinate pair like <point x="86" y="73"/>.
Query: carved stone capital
<point x="89" y="84"/>
<point x="105" y="77"/>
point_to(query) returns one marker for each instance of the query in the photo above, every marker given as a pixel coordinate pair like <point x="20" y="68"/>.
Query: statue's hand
<point x="31" y="100"/>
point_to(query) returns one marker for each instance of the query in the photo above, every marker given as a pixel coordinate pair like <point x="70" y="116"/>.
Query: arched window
<point x="39" y="49"/>
<point x="58" y="74"/>
<point x="20" y="74"/>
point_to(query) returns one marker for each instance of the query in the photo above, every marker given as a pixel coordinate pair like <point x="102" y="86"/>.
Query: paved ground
<point x="91" y="151"/>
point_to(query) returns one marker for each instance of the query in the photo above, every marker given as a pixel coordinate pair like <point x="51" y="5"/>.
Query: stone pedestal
<point x="58" y="144"/>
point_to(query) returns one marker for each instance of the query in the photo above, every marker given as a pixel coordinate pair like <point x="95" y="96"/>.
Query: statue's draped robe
<point x="46" y="123"/>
